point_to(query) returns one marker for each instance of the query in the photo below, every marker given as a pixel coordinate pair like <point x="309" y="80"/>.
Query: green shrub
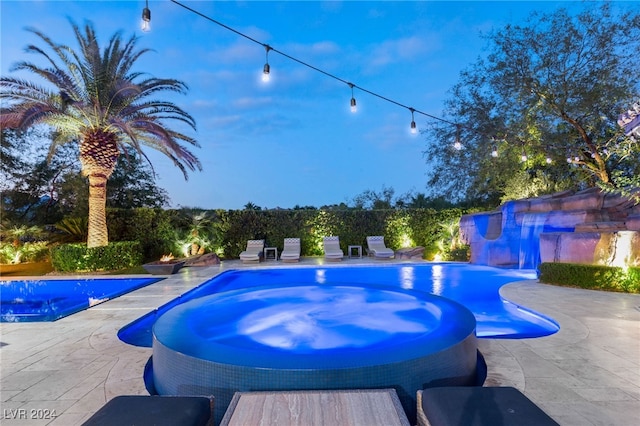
<point x="79" y="258"/>
<point x="227" y="231"/>
<point x="596" y="277"/>
<point x="154" y="229"/>
<point x="28" y="252"/>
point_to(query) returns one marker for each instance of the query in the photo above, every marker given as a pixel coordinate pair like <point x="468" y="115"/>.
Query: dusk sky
<point x="292" y="141"/>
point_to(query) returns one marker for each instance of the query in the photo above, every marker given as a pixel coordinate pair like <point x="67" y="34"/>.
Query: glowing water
<point x="532" y="227"/>
<point x="303" y="320"/>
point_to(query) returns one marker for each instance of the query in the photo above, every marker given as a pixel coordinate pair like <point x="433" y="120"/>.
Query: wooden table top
<point x="370" y="407"/>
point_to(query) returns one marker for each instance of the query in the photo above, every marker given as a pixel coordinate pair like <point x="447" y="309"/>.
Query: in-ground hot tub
<point x="313" y="337"/>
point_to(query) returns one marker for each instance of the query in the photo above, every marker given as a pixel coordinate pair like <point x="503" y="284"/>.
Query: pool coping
<point x="586" y="374"/>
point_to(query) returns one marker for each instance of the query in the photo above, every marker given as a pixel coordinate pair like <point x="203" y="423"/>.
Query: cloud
<point x="400" y="50"/>
<point x="252" y="102"/>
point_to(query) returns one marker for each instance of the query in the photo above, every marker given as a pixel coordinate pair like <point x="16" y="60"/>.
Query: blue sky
<point x="294" y="140"/>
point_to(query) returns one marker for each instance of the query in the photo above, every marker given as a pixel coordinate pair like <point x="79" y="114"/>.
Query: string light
<point x="457" y="145"/>
<point x="414" y="129"/>
<point x="523" y="157"/>
<point x="146" y="16"/>
<point x="309" y="65"/>
<point x="145" y="24"/>
<point x="266" y="71"/>
<point x="549" y="160"/>
<point x="353" y="100"/>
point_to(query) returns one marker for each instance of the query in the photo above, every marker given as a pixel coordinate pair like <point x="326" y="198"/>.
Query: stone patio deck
<point x="586" y="374"/>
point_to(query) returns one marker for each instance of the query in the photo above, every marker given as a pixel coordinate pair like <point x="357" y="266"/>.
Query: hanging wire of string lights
<point x="267" y="69"/>
<point x="457" y="144"/>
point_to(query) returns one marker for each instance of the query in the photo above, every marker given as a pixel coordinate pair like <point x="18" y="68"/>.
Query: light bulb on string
<point x="494" y="149"/>
<point x="523" y="157"/>
<point x="145" y="23"/>
<point x="548" y="160"/>
<point x="414" y="129"/>
<point x="266" y="70"/>
<point x="353" y="100"/>
<point x="457" y="145"/>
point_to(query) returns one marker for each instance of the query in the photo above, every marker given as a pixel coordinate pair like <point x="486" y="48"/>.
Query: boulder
<point x="203" y="260"/>
<point x="409" y="253"/>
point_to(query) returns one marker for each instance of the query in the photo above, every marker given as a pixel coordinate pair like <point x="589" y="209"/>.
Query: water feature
<point x="405" y="326"/>
<point x="532" y="226"/>
<point x="313" y="337"/>
<point x="580" y="227"/>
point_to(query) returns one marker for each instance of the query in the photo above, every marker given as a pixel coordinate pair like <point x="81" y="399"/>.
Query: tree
<point x="30" y="183"/>
<point x="545" y="101"/>
<point x="100" y="104"/>
<point x="251" y="206"/>
<point x="132" y="185"/>
<point x="373" y="200"/>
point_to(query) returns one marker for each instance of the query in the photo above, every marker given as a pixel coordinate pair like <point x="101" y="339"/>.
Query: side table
<point x="358" y="252"/>
<point x="273" y="251"/>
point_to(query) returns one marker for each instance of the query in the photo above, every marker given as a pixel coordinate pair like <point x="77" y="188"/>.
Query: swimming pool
<point x="52" y="299"/>
<point x="405" y="326"/>
<point x="474" y="286"/>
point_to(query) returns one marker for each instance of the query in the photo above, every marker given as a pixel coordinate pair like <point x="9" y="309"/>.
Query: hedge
<point x="595" y="277"/>
<point x="79" y="258"/>
<point x="157" y="229"/>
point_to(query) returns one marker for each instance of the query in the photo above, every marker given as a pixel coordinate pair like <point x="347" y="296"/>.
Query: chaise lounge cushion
<point x="291" y="250"/>
<point x="254" y="251"/>
<point x="154" y="410"/>
<point x="332" y="250"/>
<point x="478" y="406"/>
<point x="377" y="248"/>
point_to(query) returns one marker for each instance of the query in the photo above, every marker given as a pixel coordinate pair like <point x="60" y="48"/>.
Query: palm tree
<point x="98" y="102"/>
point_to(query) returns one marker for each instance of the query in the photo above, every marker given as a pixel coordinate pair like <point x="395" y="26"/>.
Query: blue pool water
<point x="49" y="300"/>
<point x="317" y="336"/>
<point x="475" y="287"/>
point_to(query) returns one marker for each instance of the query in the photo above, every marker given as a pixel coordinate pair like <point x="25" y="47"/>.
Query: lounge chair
<point x="332" y="249"/>
<point x="478" y="406"/>
<point x="254" y="252"/>
<point x="291" y="250"/>
<point x="377" y="249"/>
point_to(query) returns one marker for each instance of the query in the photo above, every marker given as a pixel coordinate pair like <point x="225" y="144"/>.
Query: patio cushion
<point x="154" y="410"/>
<point x="479" y="406"/>
<point x="376" y="247"/>
<point x="291" y="251"/>
<point x="332" y="250"/>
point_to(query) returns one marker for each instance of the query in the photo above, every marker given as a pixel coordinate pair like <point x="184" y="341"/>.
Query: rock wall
<point x="572" y="227"/>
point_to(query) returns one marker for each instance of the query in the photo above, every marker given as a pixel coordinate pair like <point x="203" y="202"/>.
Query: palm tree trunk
<point x="97" y="226"/>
